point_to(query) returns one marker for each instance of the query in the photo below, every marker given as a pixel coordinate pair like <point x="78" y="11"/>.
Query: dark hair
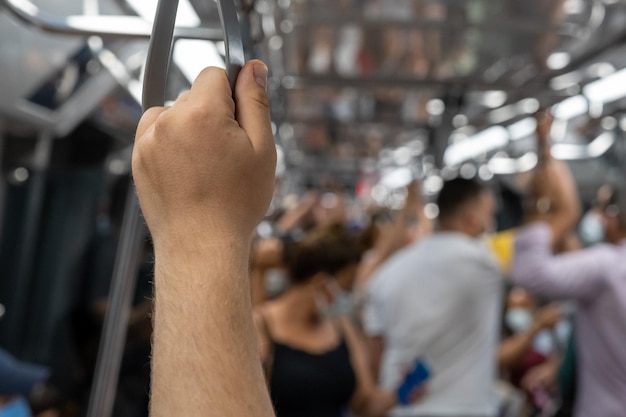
<point x="328" y="249"/>
<point x="455" y="194"/>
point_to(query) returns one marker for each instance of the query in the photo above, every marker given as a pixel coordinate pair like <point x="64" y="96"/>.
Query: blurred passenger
<point x="441" y="299"/>
<point x="531" y="354"/>
<point x="591" y="228"/>
<point x="24" y="390"/>
<point x="315" y="360"/>
<point x="594" y="277"/>
<point x="385" y="236"/>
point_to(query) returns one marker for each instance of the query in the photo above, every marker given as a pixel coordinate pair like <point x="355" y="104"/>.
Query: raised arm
<point x="204" y="171"/>
<point x="554" y="198"/>
<point x="395" y="236"/>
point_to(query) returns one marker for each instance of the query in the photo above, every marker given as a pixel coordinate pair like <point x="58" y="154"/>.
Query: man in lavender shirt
<point x="594" y="277"/>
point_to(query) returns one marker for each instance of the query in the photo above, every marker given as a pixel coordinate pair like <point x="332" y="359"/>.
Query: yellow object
<point x="502" y="244"/>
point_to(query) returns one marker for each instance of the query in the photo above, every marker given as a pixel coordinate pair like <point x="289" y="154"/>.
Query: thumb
<point x="252" y="105"/>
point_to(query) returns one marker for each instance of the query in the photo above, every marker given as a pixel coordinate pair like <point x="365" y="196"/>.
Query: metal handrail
<point x="159" y="52"/>
<point x="103" y="26"/>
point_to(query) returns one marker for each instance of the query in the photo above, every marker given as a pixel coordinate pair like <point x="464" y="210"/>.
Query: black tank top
<point x="311" y="385"/>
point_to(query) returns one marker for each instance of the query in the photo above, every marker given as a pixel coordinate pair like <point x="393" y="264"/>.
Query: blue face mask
<point x="591" y="229"/>
<point x="16" y="408"/>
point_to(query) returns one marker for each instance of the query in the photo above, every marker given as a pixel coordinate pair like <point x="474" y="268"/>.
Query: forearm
<point x="514" y="347"/>
<point x="378" y="403"/>
<point x="205" y="361"/>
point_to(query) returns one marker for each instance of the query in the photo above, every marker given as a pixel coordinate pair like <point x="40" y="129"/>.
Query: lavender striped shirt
<point x="596" y="278"/>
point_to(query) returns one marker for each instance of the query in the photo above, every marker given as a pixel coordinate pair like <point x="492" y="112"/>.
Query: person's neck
<point x="455" y="227"/>
<point x="300" y="306"/>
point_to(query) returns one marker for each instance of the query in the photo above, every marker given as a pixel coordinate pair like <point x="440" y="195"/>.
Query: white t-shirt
<point x="440" y="299"/>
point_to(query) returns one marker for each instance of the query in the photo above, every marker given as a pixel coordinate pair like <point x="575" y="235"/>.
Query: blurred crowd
<point x="403" y="314"/>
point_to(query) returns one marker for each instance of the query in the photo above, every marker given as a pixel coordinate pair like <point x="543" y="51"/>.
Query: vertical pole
<point x="27" y="252"/>
<point x="120" y="303"/>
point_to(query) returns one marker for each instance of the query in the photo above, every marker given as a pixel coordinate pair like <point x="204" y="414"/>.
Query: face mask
<point x="518" y="319"/>
<point x="16" y="408"/>
<point x="343" y="303"/>
<point x="591" y="229"/>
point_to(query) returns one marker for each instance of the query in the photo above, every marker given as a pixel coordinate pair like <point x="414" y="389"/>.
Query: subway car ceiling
<point x="358" y="87"/>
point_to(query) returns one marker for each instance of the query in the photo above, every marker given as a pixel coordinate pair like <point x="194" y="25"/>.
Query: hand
<point x="548" y="316"/>
<point x="418" y="393"/>
<point x="204" y="168"/>
<point x="413" y="195"/>
<point x="544" y="125"/>
<point x="542" y="376"/>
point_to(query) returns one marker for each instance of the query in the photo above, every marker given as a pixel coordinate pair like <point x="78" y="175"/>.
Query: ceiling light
<point x="529" y="105"/>
<point x="558" y="60"/>
<point x="607" y="89"/>
<point x="468" y="171"/>
<point x="595" y="149"/>
<point x="486" y="141"/>
<point x="494" y="99"/>
<point x="508" y="166"/>
<point x="522" y="129"/>
<point x="460" y="120"/>
<point x="609" y="123"/>
<point x="433" y="184"/>
<point x="431" y="211"/>
<point x="397" y="178"/>
<point x="571" y="107"/>
<point x="435" y="107"/>
<point x="485" y="173"/>
<point x="600" y="70"/>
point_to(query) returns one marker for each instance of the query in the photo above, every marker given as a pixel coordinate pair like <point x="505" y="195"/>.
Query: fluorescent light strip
<point x="483" y="142"/>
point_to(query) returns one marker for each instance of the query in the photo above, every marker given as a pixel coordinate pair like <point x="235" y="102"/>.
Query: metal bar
<point x="294" y="82"/>
<point x="31" y="221"/>
<point x="454" y="25"/>
<point x="103" y="26"/>
<point x="121" y="294"/>
<point x="159" y="53"/>
<point x="235" y="53"/>
<point x="3" y="186"/>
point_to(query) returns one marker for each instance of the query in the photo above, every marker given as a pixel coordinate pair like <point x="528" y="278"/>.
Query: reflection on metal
<point x="32" y="219"/>
<point x="118" y="312"/>
<point x="2" y="188"/>
<point x="159" y="52"/>
<point x="103" y="26"/>
<point x="233" y="39"/>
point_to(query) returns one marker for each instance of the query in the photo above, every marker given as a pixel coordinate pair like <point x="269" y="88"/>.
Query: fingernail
<point x="260" y="74"/>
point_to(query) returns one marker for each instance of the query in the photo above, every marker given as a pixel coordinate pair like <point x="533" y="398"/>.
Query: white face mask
<point x="518" y="319"/>
<point x="591" y="229"/>
<point x="343" y="303"/>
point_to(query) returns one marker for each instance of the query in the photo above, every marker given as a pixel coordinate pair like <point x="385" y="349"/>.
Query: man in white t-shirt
<point x="441" y="300"/>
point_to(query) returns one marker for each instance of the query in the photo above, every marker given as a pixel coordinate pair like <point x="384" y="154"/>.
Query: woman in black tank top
<point x="316" y="363"/>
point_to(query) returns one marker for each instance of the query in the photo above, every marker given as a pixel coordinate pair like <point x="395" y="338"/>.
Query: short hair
<point x="457" y="193"/>
<point x="326" y="249"/>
